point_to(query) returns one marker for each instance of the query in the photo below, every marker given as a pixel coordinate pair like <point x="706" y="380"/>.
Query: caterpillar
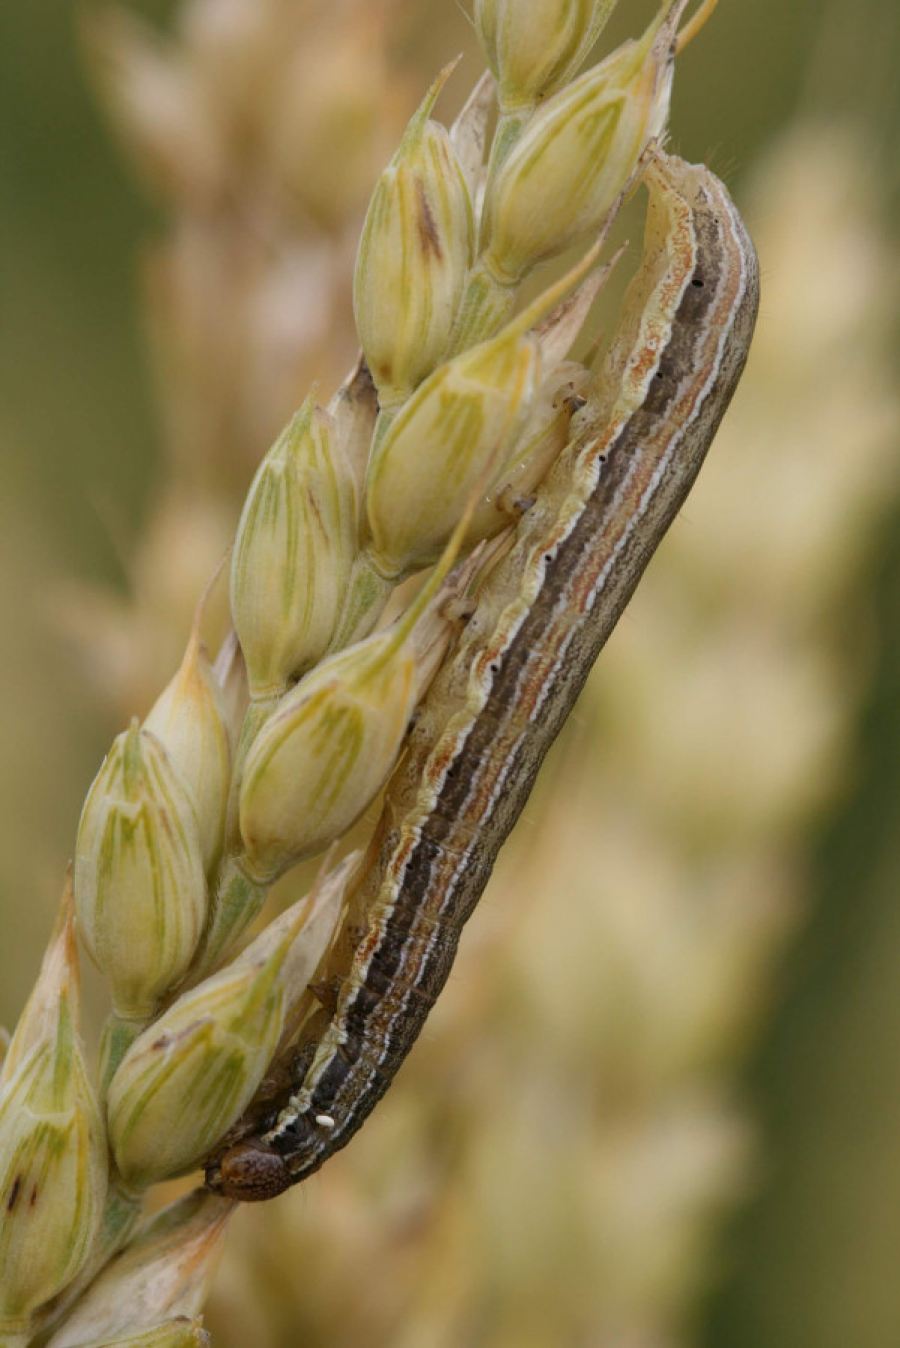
<point x="539" y="623"/>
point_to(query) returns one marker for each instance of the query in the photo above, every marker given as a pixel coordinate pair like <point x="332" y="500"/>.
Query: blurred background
<point x="659" y="1103"/>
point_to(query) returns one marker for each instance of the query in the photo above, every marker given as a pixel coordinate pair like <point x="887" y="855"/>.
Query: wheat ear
<point x="196" y="811"/>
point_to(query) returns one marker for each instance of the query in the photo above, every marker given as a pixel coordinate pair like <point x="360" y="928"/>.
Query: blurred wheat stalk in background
<point x="261" y="127"/>
<point x="633" y="923"/>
